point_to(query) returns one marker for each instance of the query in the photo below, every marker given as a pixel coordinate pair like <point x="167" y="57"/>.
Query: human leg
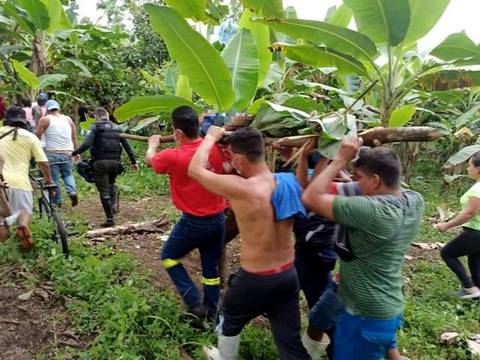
<point x="468" y="242"/>
<point x="474" y="267"/>
<point x="101" y="178"/>
<point x="243" y="301"/>
<point x="21" y="204"/>
<point x="66" y="170"/>
<point x="210" y="251"/>
<point x="284" y="316"/>
<point x="182" y="240"/>
<point x="54" y="158"/>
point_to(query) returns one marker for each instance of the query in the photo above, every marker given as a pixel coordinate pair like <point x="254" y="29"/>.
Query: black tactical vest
<point x="106" y="145"/>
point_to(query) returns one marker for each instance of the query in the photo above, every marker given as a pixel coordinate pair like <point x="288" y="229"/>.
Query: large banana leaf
<point x="463" y="155"/>
<point x="424" y="14"/>
<point x="55" y="9"/>
<point x="383" y="21"/>
<point x="456" y="46"/>
<point x="340" y="16"/>
<point x="261" y="34"/>
<point x="323" y="57"/>
<point x="37" y="13"/>
<point x="151" y="104"/>
<point x="194" y="9"/>
<point x="333" y="37"/>
<point x="198" y="60"/>
<point x="183" y="88"/>
<point x="463" y="119"/>
<point x="240" y="55"/>
<point x="268" y="8"/>
<point x="26" y="75"/>
<point x="17" y="15"/>
<point x="50" y="80"/>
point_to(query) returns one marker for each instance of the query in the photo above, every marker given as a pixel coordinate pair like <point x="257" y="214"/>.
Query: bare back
<point x="266" y="243"/>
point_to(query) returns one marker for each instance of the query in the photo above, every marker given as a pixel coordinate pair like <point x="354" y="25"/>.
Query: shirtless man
<point x="267" y="281"/>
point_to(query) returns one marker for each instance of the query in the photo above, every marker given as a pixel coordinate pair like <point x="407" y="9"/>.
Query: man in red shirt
<point x="202" y="224"/>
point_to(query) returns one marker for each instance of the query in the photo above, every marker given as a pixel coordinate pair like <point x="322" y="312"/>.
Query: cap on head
<point x="52" y="105"/>
<point x="42" y="96"/>
<point x="16" y="114"/>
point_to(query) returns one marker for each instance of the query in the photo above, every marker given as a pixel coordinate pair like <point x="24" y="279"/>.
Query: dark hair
<point x="380" y="161"/>
<point x="41" y="101"/>
<point x="101" y="114"/>
<point x="186" y="119"/>
<point x="475" y="158"/>
<point x="248" y="141"/>
<point x="25" y="101"/>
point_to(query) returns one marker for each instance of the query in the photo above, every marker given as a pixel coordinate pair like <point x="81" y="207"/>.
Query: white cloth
<point x="58" y="135"/>
<point x="19" y="201"/>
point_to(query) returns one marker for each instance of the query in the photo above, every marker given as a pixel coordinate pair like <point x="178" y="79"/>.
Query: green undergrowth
<point x="115" y="308"/>
<point x="431" y="307"/>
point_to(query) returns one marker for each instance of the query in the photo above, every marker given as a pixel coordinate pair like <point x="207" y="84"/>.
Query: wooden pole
<point x="381" y="134"/>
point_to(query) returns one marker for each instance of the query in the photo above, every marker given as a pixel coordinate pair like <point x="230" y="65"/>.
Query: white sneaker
<point x="316" y="349"/>
<point x="468" y="294"/>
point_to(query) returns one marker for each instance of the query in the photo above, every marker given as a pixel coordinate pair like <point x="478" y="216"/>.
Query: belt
<point x="276" y="270"/>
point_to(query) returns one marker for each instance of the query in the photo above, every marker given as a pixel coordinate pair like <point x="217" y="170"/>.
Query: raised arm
<point x="316" y="196"/>
<point x="228" y="186"/>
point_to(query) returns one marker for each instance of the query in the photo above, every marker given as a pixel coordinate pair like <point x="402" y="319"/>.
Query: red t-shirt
<point x="187" y="194"/>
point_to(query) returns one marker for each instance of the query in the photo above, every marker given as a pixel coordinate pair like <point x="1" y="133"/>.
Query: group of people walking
<point x="44" y="133"/>
<point x="368" y="224"/>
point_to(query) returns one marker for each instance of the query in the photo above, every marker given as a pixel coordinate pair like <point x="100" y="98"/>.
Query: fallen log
<point x="381" y="134"/>
<point x="150" y="226"/>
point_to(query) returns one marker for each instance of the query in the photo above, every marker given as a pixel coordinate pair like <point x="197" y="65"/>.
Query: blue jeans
<point x="362" y="338"/>
<point x="206" y="234"/>
<point x="63" y="170"/>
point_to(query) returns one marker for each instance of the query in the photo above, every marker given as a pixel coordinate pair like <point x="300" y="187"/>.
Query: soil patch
<point x="31" y="322"/>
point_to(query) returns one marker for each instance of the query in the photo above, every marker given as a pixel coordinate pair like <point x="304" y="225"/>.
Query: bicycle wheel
<point x="60" y="232"/>
<point x="44" y="207"/>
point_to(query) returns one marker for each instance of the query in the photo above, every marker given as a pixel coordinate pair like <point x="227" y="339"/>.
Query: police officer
<point x="105" y="144"/>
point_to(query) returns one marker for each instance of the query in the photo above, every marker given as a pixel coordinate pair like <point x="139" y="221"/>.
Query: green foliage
<point x="402" y="116"/>
<point x="198" y="60"/>
<point x="150" y="105"/>
<point x="26" y="75"/>
<point x="240" y="56"/>
<point x="268" y="8"/>
<point x="194" y="9"/>
<point x="383" y="21"/>
<point x="424" y="14"/>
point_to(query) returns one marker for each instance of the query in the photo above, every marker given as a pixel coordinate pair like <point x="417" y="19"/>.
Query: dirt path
<point x="33" y="323"/>
<point x="146" y="247"/>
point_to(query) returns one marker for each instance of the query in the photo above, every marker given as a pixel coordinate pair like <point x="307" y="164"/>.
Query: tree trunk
<point x="39" y="62"/>
<point x="383" y="135"/>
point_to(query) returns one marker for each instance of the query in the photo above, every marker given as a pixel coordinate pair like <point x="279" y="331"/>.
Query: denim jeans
<point x="63" y="170"/>
<point x="362" y="338"/>
<point x="206" y="234"/>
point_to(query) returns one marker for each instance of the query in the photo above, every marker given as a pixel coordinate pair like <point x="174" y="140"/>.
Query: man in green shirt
<point x="381" y="225"/>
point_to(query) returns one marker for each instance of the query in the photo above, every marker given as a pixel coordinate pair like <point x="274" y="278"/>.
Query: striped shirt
<point x="380" y="230"/>
<point x="17" y="154"/>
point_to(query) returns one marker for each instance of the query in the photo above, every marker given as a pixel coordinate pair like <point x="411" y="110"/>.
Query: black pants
<point x="276" y="297"/>
<point x="105" y="173"/>
<point x="465" y="244"/>
<point x="314" y="271"/>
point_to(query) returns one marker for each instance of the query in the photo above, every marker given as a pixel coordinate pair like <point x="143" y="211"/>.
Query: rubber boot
<point x="227" y="348"/>
<point x="316" y="349"/>
<point x="114" y="198"/>
<point x="107" y="207"/>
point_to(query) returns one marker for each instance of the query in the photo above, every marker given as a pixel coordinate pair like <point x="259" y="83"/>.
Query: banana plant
<point x="387" y="32"/>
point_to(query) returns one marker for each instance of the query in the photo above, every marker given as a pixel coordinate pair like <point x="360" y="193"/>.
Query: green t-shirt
<point x="371" y="284"/>
<point x="474" y="191"/>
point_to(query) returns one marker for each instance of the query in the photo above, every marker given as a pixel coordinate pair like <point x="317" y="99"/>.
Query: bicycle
<point x="48" y="208"/>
